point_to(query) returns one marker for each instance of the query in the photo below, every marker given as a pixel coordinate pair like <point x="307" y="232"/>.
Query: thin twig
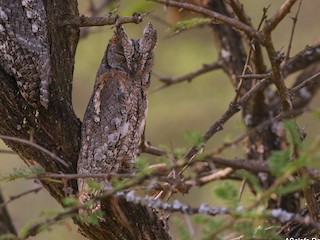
<point x="294" y="19"/>
<point x="218" y="125"/>
<point x="12" y="198"/>
<point x="37" y="146"/>
<point x="280" y="14"/>
<point x="216" y="16"/>
<point x="305" y="83"/>
<point x="191" y="75"/>
<point x="301" y="60"/>
<point x="254" y="76"/>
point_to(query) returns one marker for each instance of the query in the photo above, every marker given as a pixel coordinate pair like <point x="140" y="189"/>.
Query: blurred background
<point x="174" y="110"/>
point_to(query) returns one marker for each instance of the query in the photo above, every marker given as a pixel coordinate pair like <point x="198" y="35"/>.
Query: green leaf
<point x="208" y="223"/>
<point x="190" y="23"/>
<point x="293" y="132"/>
<point x="252" y="180"/>
<point x="228" y="192"/>
<point x="70" y="201"/>
<point x="24" y="230"/>
<point x="8" y="236"/>
<point x="278" y="161"/>
<point x="141" y="163"/>
<point x="293" y="186"/>
<point x="93" y="218"/>
<point x="24" y="172"/>
<point x="94" y="185"/>
<point x="179" y="152"/>
<point x="195" y="137"/>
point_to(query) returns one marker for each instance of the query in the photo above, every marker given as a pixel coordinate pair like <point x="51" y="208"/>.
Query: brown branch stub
<point x="84" y="21"/>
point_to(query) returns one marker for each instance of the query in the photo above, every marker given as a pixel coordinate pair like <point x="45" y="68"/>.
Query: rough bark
<point x="58" y="130"/>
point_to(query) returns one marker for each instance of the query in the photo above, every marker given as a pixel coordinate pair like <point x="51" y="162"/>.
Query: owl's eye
<point x="120" y="53"/>
<point x="120" y="56"/>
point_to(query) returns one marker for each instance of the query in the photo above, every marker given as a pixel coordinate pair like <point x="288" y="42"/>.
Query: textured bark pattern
<point x="24" y="52"/>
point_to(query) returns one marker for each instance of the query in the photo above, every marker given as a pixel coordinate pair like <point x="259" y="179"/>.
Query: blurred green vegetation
<point x="174" y="110"/>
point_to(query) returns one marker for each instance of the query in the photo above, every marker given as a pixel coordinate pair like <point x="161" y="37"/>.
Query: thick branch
<point x="84" y="21"/>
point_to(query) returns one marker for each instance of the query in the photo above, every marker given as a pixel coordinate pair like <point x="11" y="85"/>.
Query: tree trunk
<point x="58" y="128"/>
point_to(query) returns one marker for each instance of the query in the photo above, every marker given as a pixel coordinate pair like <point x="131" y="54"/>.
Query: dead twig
<point x="37" y="146"/>
<point x="191" y="75"/>
<point x="294" y="19"/>
<point x="12" y="198"/>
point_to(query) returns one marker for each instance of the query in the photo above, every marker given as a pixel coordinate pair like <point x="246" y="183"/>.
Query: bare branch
<point x="12" y="198"/>
<point x="191" y="75"/>
<point x="37" y="146"/>
<point x="277" y="18"/>
<point x="294" y="19"/>
<point x="218" y="125"/>
<point x="301" y="60"/>
<point x="84" y="21"/>
<point x="216" y="16"/>
<point x="306" y="82"/>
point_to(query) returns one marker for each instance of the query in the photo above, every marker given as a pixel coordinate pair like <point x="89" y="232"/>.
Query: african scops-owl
<point x="115" y="117"/>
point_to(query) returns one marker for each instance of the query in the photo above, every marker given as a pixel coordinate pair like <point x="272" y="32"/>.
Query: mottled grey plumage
<point x="24" y="52"/>
<point x="115" y="117"/>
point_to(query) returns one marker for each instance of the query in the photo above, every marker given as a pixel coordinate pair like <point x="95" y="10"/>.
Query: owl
<point x="115" y="118"/>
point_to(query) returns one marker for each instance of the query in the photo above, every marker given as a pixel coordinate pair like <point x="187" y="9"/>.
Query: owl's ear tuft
<point x="149" y="40"/>
<point x="125" y="44"/>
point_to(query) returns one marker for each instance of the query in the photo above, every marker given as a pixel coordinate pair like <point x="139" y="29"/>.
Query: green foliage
<point x="92" y="217"/>
<point x="7" y="236"/>
<point x="293" y="186"/>
<point x="265" y="231"/>
<point x="24" y="231"/>
<point x="179" y="152"/>
<point x="278" y="162"/>
<point x="249" y="230"/>
<point x="228" y="192"/>
<point x="141" y="163"/>
<point x="293" y="132"/>
<point x="93" y="185"/>
<point x="208" y="223"/>
<point x="70" y="201"/>
<point x="190" y="23"/>
<point x="24" y="172"/>
<point x="119" y="184"/>
<point x="251" y="179"/>
<point x="195" y="137"/>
